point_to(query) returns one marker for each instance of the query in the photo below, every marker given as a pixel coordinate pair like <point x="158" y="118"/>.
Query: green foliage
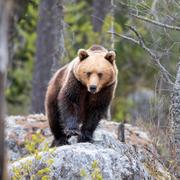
<point x="43" y="170"/>
<point x="96" y="172"/>
<point x="106" y="36"/>
<point x="83" y="173"/>
<point x="20" y="73"/>
<point x="26" y="171"/>
<point x="19" y="173"/>
<point x="32" y="144"/>
<point x="79" y="29"/>
<point x="121" y="107"/>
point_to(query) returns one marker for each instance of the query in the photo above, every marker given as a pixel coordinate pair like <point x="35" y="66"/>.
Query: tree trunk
<point x="100" y="10"/>
<point x="18" y="10"/>
<point x="4" y="12"/>
<point x="2" y="117"/>
<point x="175" y="121"/>
<point x="50" y="49"/>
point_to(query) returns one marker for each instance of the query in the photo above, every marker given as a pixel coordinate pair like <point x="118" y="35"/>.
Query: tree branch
<point x="154" y="57"/>
<point x="175" y="28"/>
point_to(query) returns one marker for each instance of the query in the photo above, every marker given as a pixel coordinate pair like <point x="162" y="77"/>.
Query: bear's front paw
<point x="59" y="142"/>
<point x="71" y="132"/>
<point x="85" y="138"/>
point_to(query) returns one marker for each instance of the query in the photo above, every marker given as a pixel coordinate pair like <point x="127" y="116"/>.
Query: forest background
<point x="87" y="23"/>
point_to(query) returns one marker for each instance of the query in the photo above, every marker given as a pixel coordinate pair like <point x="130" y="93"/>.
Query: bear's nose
<point x="93" y="88"/>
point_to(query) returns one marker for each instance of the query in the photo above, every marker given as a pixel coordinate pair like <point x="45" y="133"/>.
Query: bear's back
<point x="97" y="48"/>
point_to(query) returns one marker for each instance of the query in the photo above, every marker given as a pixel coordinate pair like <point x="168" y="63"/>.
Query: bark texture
<point x="2" y="77"/>
<point x="4" y="12"/>
<point x="175" y="120"/>
<point x="50" y="49"/>
<point x="17" y="12"/>
<point x="100" y="10"/>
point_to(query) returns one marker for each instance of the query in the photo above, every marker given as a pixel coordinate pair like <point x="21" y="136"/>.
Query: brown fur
<point x="97" y="47"/>
<point x="68" y="100"/>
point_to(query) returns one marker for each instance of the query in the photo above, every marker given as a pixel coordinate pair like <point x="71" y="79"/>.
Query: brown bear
<point x="80" y="93"/>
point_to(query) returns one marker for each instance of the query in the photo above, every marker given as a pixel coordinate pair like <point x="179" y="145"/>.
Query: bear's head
<point x="95" y="68"/>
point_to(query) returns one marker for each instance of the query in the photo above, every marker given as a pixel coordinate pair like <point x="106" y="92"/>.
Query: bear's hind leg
<point x="57" y="129"/>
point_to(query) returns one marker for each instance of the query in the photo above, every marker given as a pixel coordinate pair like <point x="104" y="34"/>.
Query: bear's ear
<point x="82" y="53"/>
<point x="110" y="56"/>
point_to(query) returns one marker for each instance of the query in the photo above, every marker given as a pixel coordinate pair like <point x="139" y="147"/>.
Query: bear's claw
<point x="72" y="132"/>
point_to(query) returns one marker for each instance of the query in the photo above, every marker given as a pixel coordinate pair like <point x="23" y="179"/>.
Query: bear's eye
<point x="88" y="74"/>
<point x="100" y="75"/>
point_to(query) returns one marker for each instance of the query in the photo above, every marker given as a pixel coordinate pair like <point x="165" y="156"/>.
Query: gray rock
<point x="148" y="107"/>
<point x="142" y="104"/>
<point x="106" y="158"/>
<point x="69" y="161"/>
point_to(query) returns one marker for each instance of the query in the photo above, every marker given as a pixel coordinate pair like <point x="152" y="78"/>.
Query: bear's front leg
<point x="90" y="123"/>
<point x="69" y="116"/>
<point x="71" y="127"/>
